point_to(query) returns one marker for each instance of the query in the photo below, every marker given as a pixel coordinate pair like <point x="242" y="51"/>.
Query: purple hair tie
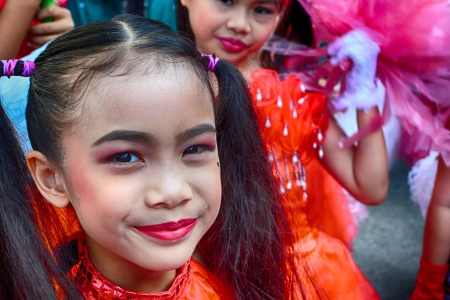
<point x="212" y="62"/>
<point x="8" y="67"/>
<point x="28" y="68"/>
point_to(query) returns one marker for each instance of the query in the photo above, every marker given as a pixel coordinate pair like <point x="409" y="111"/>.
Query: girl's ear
<point x="184" y="2"/>
<point x="48" y="180"/>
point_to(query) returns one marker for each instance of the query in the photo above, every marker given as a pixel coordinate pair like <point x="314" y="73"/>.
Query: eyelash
<point x="113" y="158"/>
<point x="264" y="11"/>
<point x="120" y="158"/>
<point x="202" y="148"/>
<point x="227" y="2"/>
<point x="259" y="10"/>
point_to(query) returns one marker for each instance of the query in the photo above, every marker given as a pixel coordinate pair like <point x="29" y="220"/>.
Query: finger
<point x="51" y="28"/>
<point x="39" y="41"/>
<point x="335" y="46"/>
<point x="53" y="11"/>
<point x="340" y="56"/>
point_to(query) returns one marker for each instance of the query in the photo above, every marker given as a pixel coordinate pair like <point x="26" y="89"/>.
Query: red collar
<point x="93" y="285"/>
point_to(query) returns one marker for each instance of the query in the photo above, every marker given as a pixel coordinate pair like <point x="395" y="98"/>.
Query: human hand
<point x="362" y="89"/>
<point x="43" y="33"/>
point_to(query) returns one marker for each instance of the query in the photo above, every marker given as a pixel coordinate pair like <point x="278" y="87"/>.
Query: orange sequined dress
<point x="192" y="282"/>
<point x="293" y="123"/>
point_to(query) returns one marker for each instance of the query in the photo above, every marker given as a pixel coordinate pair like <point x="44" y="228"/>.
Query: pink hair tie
<point x="212" y="62"/>
<point x="8" y="67"/>
<point x="28" y="68"/>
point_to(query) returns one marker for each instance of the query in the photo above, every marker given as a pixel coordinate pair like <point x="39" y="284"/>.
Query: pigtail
<point x="246" y="243"/>
<point x="29" y="270"/>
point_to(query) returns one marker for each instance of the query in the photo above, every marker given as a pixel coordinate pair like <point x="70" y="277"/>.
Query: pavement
<point x="389" y="242"/>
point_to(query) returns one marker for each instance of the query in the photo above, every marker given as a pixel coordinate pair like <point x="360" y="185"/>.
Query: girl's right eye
<point x="226" y="2"/>
<point x="124" y="158"/>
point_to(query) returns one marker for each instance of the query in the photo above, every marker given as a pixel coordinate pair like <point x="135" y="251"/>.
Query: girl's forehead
<point x="128" y="93"/>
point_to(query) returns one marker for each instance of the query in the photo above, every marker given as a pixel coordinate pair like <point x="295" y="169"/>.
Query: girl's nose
<point x="169" y="188"/>
<point x="239" y="21"/>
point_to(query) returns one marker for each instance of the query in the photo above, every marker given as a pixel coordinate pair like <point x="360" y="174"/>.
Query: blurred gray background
<point x="388" y="244"/>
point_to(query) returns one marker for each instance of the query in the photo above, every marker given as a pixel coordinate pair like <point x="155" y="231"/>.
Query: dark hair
<point x="27" y="262"/>
<point x="245" y="247"/>
<point x="294" y="26"/>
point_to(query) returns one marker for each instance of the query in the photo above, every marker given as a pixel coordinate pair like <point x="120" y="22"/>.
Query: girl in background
<point x="433" y="277"/>
<point x="141" y="175"/>
<point x="414" y="66"/>
<point x="300" y="135"/>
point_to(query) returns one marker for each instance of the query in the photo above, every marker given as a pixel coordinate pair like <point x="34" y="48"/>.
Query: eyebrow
<point x="195" y="131"/>
<point x="146" y="138"/>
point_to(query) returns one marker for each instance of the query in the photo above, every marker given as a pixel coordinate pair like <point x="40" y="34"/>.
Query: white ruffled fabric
<point x="421" y="181"/>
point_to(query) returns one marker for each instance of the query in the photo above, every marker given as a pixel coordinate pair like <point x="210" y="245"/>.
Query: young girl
<point x="433" y="278"/>
<point x="295" y="123"/>
<point x="18" y="38"/>
<point x="123" y="127"/>
<point x="433" y="271"/>
<point x="414" y="66"/>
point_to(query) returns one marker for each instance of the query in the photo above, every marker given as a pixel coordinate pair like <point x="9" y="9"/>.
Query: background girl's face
<point x="233" y="29"/>
<point x="142" y="171"/>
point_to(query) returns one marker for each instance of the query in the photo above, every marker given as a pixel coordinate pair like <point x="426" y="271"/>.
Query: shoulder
<point x="206" y="285"/>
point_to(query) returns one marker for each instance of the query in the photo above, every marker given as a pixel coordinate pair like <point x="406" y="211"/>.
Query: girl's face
<point x="232" y="29"/>
<point x="142" y="172"/>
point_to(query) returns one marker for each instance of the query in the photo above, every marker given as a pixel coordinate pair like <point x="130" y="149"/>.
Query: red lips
<point x="169" y="231"/>
<point x="232" y="45"/>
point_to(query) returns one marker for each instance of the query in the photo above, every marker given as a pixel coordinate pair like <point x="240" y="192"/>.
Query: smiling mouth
<point x="170" y="231"/>
<point x="232" y="45"/>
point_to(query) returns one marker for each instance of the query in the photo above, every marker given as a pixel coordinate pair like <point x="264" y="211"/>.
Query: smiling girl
<point x="131" y="147"/>
<point x="302" y="140"/>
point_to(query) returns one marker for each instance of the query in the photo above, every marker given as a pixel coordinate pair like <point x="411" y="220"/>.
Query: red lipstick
<point x="232" y="45"/>
<point x="169" y="231"/>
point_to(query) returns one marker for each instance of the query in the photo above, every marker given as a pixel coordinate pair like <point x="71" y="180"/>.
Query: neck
<point x="247" y="66"/>
<point x="127" y="274"/>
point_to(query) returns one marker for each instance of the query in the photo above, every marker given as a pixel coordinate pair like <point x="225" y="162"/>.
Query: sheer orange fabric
<point x="293" y="122"/>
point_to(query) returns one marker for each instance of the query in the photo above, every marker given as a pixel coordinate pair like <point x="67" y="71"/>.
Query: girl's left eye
<point x="227" y="2"/>
<point x="197" y="149"/>
<point x="125" y="157"/>
<point x="264" y="10"/>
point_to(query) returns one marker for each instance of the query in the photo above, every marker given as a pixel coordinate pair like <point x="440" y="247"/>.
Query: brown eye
<point x="125" y="157"/>
<point x="227" y="2"/>
<point x="264" y="11"/>
<point x="196" y="149"/>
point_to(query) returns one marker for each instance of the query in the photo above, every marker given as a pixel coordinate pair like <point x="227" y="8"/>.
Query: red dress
<point x="293" y="124"/>
<point x="192" y="282"/>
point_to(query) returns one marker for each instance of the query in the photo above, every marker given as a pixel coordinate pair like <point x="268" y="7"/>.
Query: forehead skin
<point x="105" y="94"/>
